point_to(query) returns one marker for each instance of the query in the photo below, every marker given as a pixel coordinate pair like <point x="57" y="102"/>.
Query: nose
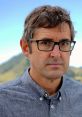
<point x="56" y="51"/>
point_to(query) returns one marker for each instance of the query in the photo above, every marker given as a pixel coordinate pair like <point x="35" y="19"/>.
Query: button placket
<point x="52" y="106"/>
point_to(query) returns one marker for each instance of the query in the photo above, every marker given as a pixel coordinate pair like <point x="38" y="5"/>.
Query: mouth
<point x="55" y="65"/>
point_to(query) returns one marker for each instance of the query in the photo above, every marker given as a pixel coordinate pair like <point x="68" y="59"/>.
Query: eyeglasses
<point x="65" y="45"/>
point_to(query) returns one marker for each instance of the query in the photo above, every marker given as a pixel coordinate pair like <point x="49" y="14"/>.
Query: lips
<point x="55" y="64"/>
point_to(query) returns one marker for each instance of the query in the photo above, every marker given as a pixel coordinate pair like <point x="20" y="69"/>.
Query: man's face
<point x="51" y="64"/>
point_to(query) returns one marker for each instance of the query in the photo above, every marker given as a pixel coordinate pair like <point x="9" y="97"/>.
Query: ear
<point x="24" y="47"/>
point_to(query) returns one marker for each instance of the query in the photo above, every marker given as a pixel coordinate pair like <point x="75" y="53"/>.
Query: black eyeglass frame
<point x="55" y="43"/>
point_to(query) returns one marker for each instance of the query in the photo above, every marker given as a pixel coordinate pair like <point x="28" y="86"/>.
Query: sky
<point x="13" y="14"/>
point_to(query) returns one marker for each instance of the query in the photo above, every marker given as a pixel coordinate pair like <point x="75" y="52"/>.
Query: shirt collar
<point x="38" y="91"/>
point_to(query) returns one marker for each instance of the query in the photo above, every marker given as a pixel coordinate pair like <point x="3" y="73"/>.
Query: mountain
<point x="14" y="67"/>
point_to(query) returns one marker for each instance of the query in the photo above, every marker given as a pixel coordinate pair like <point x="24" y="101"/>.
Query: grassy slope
<point x="13" y="68"/>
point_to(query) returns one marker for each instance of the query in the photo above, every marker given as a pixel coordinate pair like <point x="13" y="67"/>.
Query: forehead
<point x="60" y="31"/>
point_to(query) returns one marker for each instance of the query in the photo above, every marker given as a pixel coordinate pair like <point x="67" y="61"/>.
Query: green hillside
<point x="15" y="67"/>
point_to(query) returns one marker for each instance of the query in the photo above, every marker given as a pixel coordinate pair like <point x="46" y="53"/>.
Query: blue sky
<point x="13" y="14"/>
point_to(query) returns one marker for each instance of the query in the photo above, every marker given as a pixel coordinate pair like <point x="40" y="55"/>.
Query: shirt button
<point x="41" y="98"/>
<point x="60" y="98"/>
<point x="52" y="106"/>
<point x="46" y="95"/>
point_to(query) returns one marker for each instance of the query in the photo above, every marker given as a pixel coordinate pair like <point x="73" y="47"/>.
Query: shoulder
<point x="9" y="84"/>
<point x="6" y="91"/>
<point x="14" y="89"/>
<point x="10" y="92"/>
<point x="71" y="83"/>
<point x="11" y="89"/>
<point x="73" y="87"/>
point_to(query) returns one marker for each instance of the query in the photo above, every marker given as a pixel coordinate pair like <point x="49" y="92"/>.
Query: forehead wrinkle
<point x="61" y="28"/>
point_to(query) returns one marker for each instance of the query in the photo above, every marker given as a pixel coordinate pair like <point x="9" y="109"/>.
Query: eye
<point x="46" y="42"/>
<point x="65" y="43"/>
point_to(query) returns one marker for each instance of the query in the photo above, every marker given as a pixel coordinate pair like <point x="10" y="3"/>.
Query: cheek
<point x="41" y="59"/>
<point x="35" y="58"/>
<point x="67" y="58"/>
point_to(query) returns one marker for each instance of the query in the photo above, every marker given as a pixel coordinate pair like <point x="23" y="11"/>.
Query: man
<point x="44" y="90"/>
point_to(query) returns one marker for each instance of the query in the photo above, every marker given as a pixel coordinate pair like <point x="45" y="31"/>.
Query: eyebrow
<point x="46" y="38"/>
<point x="50" y="39"/>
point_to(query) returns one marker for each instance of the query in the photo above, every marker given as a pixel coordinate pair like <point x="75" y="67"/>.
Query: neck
<point x="51" y="86"/>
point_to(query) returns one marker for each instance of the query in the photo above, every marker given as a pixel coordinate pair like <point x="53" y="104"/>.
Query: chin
<point x="55" y="75"/>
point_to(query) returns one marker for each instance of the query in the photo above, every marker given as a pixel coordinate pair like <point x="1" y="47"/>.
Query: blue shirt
<point x="24" y="98"/>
